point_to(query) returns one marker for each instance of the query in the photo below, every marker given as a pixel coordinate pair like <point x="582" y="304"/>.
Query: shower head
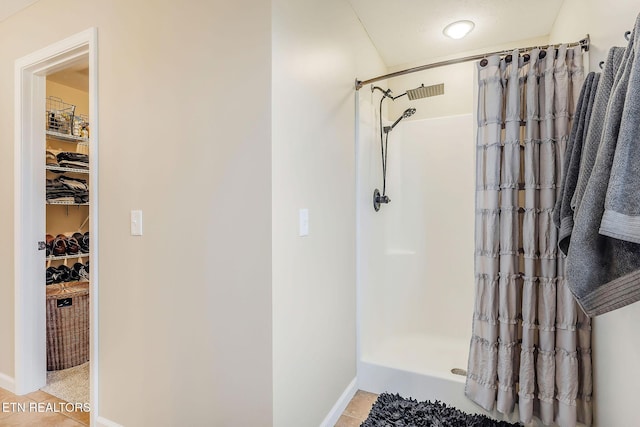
<point x="407" y="113"/>
<point x="425" y="91"/>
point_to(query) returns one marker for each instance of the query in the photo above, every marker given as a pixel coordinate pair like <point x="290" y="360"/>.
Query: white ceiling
<point x="406" y="31"/>
<point x="9" y="7"/>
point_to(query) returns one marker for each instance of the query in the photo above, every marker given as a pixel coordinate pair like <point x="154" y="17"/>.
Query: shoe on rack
<point x="78" y="237"/>
<point x="83" y="270"/>
<point x="75" y="272"/>
<point x="84" y="243"/>
<point x="59" y="246"/>
<point x="52" y="275"/>
<point x="49" y="244"/>
<point x="64" y="273"/>
<point x="73" y="247"/>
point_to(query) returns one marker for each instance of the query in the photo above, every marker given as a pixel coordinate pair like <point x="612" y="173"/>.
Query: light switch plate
<point x="136" y="223"/>
<point x="304" y="222"/>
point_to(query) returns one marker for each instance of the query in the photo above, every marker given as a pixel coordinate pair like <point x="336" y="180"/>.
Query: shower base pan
<point x="418" y="366"/>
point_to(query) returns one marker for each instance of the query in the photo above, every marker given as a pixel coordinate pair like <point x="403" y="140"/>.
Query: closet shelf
<point x="53" y="202"/>
<point x="68" y="138"/>
<point x="63" y="285"/>
<point x="61" y="169"/>
<point x="79" y="255"/>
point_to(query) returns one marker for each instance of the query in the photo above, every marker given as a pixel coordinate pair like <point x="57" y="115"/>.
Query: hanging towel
<point x="621" y="219"/>
<point x="604" y="272"/>
<point x="563" y="213"/>
<point x="596" y="122"/>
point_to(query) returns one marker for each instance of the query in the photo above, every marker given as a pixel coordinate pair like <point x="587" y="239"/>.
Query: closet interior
<point x="67" y="232"/>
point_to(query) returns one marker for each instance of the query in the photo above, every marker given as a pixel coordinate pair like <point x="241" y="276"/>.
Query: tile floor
<point x="355" y="413"/>
<point x="358" y="409"/>
<point x="17" y="418"/>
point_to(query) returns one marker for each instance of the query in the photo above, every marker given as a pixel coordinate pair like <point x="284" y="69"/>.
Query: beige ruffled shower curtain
<point x="530" y="343"/>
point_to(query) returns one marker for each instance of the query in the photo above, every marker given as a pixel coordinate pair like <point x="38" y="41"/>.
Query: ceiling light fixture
<point x="459" y="29"/>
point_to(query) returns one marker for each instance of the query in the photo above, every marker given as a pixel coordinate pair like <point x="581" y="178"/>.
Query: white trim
<point x="30" y="321"/>
<point x="334" y="414"/>
<point x="93" y="223"/>
<point x="103" y="422"/>
<point x="7" y="382"/>
<point x="358" y="227"/>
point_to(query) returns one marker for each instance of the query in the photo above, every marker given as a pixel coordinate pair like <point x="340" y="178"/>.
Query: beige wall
<point x="616" y="343"/>
<point x="185" y="310"/>
<point x="319" y="48"/>
<point x="604" y="21"/>
<point x="69" y="95"/>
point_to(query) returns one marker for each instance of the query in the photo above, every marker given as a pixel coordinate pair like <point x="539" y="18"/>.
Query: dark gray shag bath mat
<point x="391" y="410"/>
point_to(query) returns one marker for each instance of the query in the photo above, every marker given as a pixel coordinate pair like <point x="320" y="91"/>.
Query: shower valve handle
<point x="383" y="199"/>
<point x="378" y="199"/>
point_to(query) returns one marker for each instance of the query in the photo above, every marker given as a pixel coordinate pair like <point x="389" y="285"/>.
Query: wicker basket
<point x="67" y="325"/>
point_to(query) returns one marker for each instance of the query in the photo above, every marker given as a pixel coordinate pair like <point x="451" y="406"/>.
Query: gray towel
<point x="621" y="219"/>
<point x="562" y="212"/>
<point x="603" y="272"/>
<point x="596" y="122"/>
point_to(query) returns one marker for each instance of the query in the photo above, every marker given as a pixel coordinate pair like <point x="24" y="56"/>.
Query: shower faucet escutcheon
<point x="379" y="199"/>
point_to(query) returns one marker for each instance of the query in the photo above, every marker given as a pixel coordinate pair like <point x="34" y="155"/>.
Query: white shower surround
<point x="415" y="256"/>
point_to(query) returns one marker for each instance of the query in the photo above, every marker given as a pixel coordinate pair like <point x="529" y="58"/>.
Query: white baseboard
<point x="103" y="422"/>
<point x="332" y="418"/>
<point x="7" y="383"/>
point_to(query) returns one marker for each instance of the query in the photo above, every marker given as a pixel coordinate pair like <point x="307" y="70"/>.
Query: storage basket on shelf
<point x="67" y="325"/>
<point x="62" y="118"/>
<point x="60" y="115"/>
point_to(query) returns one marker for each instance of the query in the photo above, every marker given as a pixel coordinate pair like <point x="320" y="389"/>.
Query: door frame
<point x="29" y="209"/>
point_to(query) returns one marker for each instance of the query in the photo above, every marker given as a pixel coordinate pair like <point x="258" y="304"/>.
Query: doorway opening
<point x="59" y="199"/>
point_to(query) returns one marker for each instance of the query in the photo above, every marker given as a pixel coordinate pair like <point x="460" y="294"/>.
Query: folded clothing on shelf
<point x="58" y="192"/>
<point x="51" y="158"/>
<point x="67" y="189"/>
<point x="73" y="160"/>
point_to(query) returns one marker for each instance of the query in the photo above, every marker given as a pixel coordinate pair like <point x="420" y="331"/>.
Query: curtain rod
<point x="359" y="83"/>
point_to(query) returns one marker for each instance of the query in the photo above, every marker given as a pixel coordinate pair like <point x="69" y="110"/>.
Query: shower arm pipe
<point x="387" y="93"/>
<point x="584" y="43"/>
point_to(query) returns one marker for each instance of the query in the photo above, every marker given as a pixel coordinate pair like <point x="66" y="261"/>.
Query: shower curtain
<point x="530" y="343"/>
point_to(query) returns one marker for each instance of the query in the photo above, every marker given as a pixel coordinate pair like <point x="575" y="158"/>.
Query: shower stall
<point x="415" y="256"/>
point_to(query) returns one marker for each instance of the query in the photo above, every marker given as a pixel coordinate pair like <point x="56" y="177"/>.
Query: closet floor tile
<point x="356" y="412"/>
